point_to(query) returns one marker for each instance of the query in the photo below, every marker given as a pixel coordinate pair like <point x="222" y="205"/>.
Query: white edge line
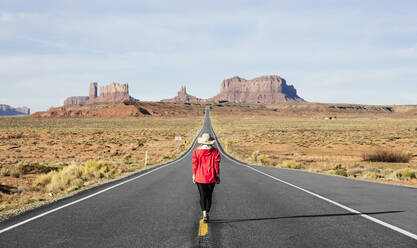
<point x="392" y="227"/>
<point x="79" y="200"/>
<point x="94" y="194"/>
<point x="395" y="228"/>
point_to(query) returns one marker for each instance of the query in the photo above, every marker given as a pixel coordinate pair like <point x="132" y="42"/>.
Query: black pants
<point x="206" y="192"/>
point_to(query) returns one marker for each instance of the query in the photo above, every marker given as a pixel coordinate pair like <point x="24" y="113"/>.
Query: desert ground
<point x="43" y="159"/>
<point x="61" y="151"/>
<point x="374" y="145"/>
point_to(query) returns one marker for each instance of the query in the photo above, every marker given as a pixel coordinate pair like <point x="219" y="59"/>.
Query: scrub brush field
<point x="45" y="159"/>
<point x="381" y="149"/>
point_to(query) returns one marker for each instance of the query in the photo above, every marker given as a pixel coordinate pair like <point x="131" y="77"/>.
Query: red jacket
<point x="206" y="165"/>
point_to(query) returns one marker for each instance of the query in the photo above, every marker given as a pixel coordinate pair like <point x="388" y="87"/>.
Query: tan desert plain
<point x="59" y="152"/>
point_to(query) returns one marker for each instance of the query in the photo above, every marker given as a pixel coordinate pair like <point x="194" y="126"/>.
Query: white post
<point x="146" y="159"/>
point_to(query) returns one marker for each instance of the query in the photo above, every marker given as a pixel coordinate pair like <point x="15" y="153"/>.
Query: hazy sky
<point x="331" y="51"/>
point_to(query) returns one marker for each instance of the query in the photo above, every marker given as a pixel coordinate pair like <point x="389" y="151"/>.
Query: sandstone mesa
<point x="264" y="89"/>
<point x="114" y="92"/>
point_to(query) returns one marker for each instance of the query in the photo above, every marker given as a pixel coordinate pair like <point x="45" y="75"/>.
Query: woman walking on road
<point x="206" y="161"/>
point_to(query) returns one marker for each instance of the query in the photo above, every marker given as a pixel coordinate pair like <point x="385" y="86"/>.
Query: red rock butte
<point x="264" y="89"/>
<point x="183" y="96"/>
<point x="114" y="92"/>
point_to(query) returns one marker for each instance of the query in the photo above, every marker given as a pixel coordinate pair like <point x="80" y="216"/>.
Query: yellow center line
<point x="203" y="229"/>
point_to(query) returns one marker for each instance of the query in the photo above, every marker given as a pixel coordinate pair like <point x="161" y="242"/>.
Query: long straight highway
<point x="252" y="207"/>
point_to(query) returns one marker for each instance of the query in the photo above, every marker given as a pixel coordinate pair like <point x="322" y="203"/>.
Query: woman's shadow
<point x="300" y="216"/>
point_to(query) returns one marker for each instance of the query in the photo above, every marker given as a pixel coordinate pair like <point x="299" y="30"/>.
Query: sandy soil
<point x="31" y="147"/>
<point x="312" y="141"/>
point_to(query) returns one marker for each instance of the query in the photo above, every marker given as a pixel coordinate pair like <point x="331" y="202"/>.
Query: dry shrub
<point x="338" y="170"/>
<point x="34" y="167"/>
<point x="75" y="176"/>
<point x="141" y="142"/>
<point x="135" y="168"/>
<point x="387" y="155"/>
<point x="168" y="156"/>
<point x="387" y="173"/>
<point x="405" y="173"/>
<point x="292" y="164"/>
<point x="5" y="171"/>
<point x="127" y="157"/>
<point x="314" y="170"/>
<point x="373" y="175"/>
<point x="43" y="179"/>
<point x="255" y="155"/>
<point x="356" y="172"/>
<point x="14" y="136"/>
<point x="14" y="172"/>
<point x="264" y="159"/>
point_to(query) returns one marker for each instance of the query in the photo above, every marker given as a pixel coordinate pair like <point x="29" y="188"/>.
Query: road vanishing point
<point x="253" y="206"/>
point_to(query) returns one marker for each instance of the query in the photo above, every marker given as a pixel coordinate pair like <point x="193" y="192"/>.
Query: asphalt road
<point x="252" y="207"/>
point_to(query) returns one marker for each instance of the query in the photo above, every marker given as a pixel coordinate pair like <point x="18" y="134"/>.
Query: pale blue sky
<point x="331" y="51"/>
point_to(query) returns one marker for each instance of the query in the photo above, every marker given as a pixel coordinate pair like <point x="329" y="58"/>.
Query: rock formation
<point x="6" y="110"/>
<point x="93" y="90"/>
<point x="264" y="89"/>
<point x="183" y="96"/>
<point x="114" y="92"/>
<point x="76" y="100"/>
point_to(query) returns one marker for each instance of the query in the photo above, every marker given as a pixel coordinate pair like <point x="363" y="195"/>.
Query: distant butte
<point x="114" y="92"/>
<point x="183" y="96"/>
<point x="264" y="89"/>
<point x="6" y="110"/>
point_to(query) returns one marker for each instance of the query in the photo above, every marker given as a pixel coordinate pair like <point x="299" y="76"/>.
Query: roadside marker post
<point x="146" y="159"/>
